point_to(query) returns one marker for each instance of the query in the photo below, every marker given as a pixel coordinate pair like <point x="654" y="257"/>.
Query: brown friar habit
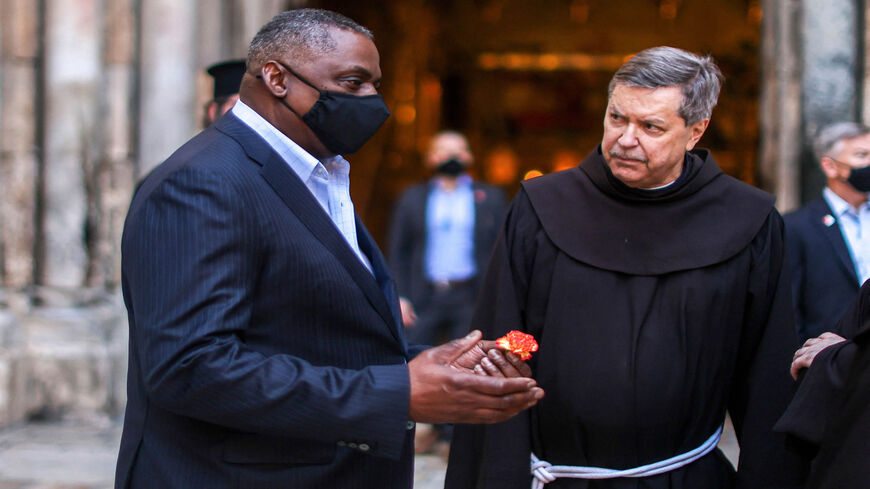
<point x="832" y="406"/>
<point x="655" y="311"/>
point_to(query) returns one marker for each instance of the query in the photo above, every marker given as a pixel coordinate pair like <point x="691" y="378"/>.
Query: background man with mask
<point x="829" y="238"/>
<point x="441" y="236"/>
<point x="266" y="346"/>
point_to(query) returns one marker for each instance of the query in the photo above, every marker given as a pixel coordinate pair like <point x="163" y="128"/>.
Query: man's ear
<point x="211" y="110"/>
<point x="829" y="167"/>
<point x="273" y="75"/>
<point x="695" y="132"/>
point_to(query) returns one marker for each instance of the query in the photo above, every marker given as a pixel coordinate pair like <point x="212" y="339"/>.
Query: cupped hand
<point x="445" y="389"/>
<point x="485" y="358"/>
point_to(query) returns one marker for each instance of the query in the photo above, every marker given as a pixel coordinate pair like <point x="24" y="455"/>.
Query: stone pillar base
<point x="63" y="358"/>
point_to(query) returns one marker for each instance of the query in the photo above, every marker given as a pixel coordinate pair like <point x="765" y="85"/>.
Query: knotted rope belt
<point x="544" y="472"/>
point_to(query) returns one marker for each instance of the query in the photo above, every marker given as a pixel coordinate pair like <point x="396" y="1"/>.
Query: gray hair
<point x="828" y="140"/>
<point x="299" y="33"/>
<point x="698" y="77"/>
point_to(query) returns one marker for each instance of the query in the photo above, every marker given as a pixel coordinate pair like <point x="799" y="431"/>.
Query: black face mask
<point x="450" y="168"/>
<point x="860" y="179"/>
<point x="343" y="122"/>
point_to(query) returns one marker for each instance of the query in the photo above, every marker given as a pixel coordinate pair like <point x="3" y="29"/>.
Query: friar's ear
<point x="696" y="130"/>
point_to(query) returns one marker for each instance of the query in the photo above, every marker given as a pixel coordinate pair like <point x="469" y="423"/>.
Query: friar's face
<point x="645" y="139"/>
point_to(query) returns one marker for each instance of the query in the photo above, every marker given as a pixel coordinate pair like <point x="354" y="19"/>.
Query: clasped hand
<point x="470" y="381"/>
<point x="804" y="356"/>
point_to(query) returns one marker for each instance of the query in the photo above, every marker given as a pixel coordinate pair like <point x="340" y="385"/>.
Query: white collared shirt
<point x="328" y="181"/>
<point x="855" y="227"/>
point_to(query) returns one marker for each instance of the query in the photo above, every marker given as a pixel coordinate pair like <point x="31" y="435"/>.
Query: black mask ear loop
<point x="303" y="80"/>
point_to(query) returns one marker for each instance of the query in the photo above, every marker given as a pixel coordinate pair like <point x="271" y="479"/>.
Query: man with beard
<point x="656" y="287"/>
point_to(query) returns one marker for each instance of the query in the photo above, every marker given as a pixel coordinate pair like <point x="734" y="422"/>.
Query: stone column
<point x="19" y="57"/>
<point x="830" y="44"/>
<point x="255" y="13"/>
<point x="167" y="112"/>
<point x="780" y="104"/>
<point x="114" y="178"/>
<point x="72" y="77"/>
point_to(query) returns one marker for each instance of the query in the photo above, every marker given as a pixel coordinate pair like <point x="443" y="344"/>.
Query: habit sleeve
<point x="479" y="457"/>
<point x="761" y="387"/>
<point x="817" y="401"/>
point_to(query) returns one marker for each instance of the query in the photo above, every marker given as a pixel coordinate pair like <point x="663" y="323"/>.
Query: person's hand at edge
<point x="409" y="316"/>
<point x="805" y="355"/>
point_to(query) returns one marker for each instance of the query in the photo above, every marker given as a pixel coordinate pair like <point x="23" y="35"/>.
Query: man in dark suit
<point x="266" y="348"/>
<point x="441" y="236"/>
<point x="829" y="238"/>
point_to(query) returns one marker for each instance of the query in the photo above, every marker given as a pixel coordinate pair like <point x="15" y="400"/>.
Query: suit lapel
<point x="834" y="235"/>
<point x="305" y="207"/>
<point x="382" y="276"/>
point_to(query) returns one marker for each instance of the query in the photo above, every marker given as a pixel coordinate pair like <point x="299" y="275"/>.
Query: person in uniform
<point x="227" y="76"/>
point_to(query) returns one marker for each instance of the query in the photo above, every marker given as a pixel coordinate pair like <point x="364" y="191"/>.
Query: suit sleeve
<point x="497" y="456"/>
<point x="191" y="266"/>
<point x="762" y="386"/>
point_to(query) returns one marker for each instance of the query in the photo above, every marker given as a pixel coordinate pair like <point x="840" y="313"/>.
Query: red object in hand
<point x="518" y="342"/>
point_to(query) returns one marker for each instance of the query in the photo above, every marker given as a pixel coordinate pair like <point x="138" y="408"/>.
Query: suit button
<point x="364" y="447"/>
<point x="410" y="425"/>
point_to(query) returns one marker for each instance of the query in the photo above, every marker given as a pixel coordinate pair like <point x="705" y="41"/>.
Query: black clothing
<point x="655" y="311"/>
<point x="832" y="406"/>
<point x="842" y="460"/>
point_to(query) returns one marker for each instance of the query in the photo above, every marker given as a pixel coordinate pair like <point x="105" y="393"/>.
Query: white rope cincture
<point x="543" y="472"/>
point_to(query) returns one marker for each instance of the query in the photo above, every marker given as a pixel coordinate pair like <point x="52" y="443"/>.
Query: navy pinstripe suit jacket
<point x="263" y="354"/>
<point x="824" y="280"/>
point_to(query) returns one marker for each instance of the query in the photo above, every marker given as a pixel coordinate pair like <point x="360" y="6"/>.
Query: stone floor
<point x="81" y="455"/>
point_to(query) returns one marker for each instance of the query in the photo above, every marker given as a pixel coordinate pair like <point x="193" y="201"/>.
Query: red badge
<point x="518" y="342"/>
<point x="479" y="196"/>
<point x="828" y="220"/>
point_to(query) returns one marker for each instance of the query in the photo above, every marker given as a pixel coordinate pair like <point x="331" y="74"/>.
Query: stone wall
<point x="63" y="360"/>
<point x="93" y="94"/>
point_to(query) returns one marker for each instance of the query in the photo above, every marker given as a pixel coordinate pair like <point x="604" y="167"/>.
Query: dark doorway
<point x="527" y="81"/>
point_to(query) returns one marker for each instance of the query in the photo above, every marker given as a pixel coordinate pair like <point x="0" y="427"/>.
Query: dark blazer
<point x="263" y="354"/>
<point x="407" y="240"/>
<point x="824" y="281"/>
